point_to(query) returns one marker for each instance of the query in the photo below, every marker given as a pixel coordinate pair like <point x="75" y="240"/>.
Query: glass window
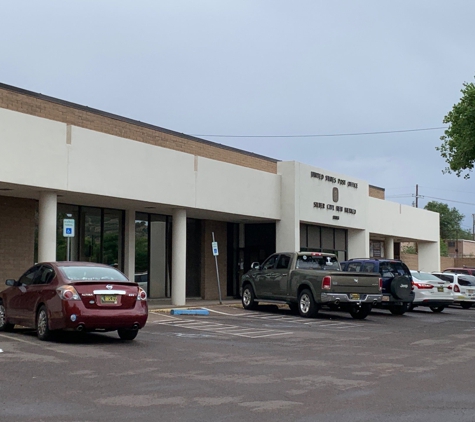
<point x="270" y="262"/>
<point x="44" y="276"/>
<point x="284" y="261"/>
<point x="317" y="262"/>
<point x="83" y="273"/>
<point x="28" y="278"/>
<point x="466" y="280"/>
<point x="354" y="266"/>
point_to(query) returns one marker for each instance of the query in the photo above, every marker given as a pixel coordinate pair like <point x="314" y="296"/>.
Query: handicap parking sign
<point x="68" y="227"/>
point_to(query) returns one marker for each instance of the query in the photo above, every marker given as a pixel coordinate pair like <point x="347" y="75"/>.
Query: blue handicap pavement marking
<point x="189" y="312"/>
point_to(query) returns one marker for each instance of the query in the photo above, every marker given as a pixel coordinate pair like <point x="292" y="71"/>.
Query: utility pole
<point x="417" y="196"/>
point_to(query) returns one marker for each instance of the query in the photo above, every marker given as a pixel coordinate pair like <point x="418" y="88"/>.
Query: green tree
<point x="458" y="141"/>
<point x="450" y="219"/>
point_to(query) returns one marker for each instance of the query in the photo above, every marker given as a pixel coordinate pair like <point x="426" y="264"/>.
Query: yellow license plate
<point x="355" y="296"/>
<point x="440" y="289"/>
<point x="109" y="299"/>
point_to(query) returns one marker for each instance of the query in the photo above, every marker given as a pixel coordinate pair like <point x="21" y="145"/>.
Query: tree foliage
<point x="458" y="141"/>
<point x="450" y="219"/>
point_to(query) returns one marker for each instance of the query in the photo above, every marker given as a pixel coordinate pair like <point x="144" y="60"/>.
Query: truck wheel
<point x="307" y="307"/>
<point x="437" y="309"/>
<point x="360" y="312"/>
<point x="399" y="309"/>
<point x="248" y="297"/>
<point x="465" y="305"/>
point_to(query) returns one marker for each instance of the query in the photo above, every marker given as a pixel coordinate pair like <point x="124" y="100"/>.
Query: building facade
<point x="151" y="201"/>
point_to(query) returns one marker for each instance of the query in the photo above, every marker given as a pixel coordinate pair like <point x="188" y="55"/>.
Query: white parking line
<point x="227" y="329"/>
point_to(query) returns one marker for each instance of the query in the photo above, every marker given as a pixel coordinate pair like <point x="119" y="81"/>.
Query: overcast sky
<point x="265" y="67"/>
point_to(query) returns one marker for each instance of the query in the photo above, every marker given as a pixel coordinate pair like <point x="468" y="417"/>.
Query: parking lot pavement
<point x="238" y="365"/>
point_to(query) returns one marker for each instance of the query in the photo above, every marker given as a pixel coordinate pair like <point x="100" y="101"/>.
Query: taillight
<point x="326" y="283"/>
<point x="68" y="293"/>
<point x="142" y="295"/>
<point x="456" y="288"/>
<point x="423" y="285"/>
<point x="380" y="284"/>
<point x="449" y="287"/>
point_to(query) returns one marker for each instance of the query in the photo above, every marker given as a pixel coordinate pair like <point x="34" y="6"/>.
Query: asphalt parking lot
<point x="237" y="365"/>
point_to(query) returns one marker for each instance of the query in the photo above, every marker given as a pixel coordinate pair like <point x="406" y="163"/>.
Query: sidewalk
<point x="191" y="303"/>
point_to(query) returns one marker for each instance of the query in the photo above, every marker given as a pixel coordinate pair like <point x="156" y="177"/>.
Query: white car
<point x="431" y="291"/>
<point x="463" y="288"/>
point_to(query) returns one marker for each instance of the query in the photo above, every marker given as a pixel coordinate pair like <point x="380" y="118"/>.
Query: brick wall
<point x="50" y="108"/>
<point x="376" y="192"/>
<point x="17" y="239"/>
<point x="411" y="260"/>
<point x="209" y="283"/>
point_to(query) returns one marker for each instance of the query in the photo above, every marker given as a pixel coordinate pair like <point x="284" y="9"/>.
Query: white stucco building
<point x="149" y="201"/>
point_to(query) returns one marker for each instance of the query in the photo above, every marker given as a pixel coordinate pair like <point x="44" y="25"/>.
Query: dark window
<point x="270" y="262"/>
<point x="466" y="280"/>
<point x="27" y="278"/>
<point x="354" y="266"/>
<point x="44" y="275"/>
<point x="284" y="261"/>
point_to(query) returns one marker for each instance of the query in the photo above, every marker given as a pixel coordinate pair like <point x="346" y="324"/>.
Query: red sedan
<point x="80" y="296"/>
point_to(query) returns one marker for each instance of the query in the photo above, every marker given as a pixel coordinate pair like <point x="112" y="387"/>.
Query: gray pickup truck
<point x="308" y="281"/>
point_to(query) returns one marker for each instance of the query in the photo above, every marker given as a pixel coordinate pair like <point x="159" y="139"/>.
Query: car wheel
<point x="410" y="308"/>
<point x="42" y="326"/>
<point x="307" y="307"/>
<point x="127" y="334"/>
<point x="4" y="324"/>
<point x="248" y="297"/>
<point x="437" y="309"/>
<point x="465" y="305"/>
<point x="360" y="312"/>
<point x="399" y="309"/>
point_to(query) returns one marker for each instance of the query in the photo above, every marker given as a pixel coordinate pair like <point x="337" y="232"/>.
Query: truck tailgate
<point x="354" y="282"/>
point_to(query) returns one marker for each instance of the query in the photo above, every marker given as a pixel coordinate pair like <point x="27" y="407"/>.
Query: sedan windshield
<point x="80" y="273"/>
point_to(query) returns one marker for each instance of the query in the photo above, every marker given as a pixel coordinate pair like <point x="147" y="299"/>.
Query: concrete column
<point x="129" y="244"/>
<point x="429" y="256"/>
<point x="47" y="220"/>
<point x="287" y="229"/>
<point x="389" y="248"/>
<point x="358" y="243"/>
<point x="179" y="257"/>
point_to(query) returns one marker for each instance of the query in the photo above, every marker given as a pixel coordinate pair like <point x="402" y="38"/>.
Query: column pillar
<point x="389" y="248"/>
<point x="179" y="257"/>
<point x="428" y="254"/>
<point x="358" y="243"/>
<point x="47" y="220"/>
<point x="129" y="244"/>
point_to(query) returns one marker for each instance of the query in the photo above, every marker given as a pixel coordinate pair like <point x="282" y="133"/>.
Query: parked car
<point x="460" y="270"/>
<point x="463" y="287"/>
<point x="308" y="281"/>
<point x="80" y="296"/>
<point x="396" y="279"/>
<point x="431" y="291"/>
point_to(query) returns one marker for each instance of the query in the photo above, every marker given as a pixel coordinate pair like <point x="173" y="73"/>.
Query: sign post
<point x="68" y="231"/>
<point x="214" y="246"/>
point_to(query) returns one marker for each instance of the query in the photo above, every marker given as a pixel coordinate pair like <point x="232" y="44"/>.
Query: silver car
<point x="463" y="288"/>
<point x="431" y="291"/>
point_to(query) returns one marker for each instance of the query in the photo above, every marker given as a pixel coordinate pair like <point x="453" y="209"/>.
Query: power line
<point x="323" y="135"/>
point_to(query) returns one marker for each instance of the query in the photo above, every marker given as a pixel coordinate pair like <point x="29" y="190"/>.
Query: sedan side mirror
<point x="255" y="266"/>
<point x="11" y="282"/>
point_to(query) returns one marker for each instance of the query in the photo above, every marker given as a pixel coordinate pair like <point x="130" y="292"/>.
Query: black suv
<point x="397" y="281"/>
